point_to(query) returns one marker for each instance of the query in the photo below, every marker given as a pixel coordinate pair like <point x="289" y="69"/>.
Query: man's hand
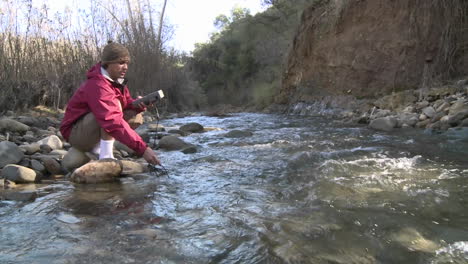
<point x="143" y="105"/>
<point x="151" y="157"/>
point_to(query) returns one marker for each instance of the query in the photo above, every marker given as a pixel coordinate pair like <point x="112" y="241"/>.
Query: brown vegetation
<point x="44" y="57"/>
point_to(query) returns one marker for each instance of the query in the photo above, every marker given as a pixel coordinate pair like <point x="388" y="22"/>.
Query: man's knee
<point x="85" y="133"/>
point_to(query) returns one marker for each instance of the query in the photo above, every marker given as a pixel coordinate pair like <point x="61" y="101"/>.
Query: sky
<point x="193" y="20"/>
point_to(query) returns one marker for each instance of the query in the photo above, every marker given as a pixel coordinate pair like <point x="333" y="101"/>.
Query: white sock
<point x="97" y="149"/>
<point x="107" y="147"/>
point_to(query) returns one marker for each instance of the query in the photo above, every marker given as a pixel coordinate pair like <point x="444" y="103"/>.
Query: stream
<point x="298" y="190"/>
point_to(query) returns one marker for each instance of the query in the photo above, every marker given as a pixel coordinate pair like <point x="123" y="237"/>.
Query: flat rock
<point x="100" y="171"/>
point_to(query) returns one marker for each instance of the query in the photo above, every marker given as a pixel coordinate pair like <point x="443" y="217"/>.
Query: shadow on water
<point x="299" y="190"/>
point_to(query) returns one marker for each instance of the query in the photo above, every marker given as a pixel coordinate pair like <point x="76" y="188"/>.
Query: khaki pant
<point x="86" y="132"/>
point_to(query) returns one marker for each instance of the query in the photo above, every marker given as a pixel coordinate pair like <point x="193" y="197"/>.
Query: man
<point x="101" y="110"/>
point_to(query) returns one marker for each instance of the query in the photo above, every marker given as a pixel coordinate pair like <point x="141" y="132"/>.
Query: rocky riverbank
<point x="437" y="109"/>
<point x="33" y="151"/>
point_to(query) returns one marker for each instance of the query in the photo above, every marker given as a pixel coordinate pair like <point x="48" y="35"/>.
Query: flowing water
<point x="299" y="190"/>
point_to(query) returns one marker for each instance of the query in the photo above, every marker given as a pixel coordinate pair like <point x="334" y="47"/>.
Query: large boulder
<point x="192" y="128"/>
<point x="100" y="171"/>
<point x="383" y="124"/>
<point x="172" y="143"/>
<point x="19" y="174"/>
<point x="7" y="124"/>
<point x="53" y="142"/>
<point x="10" y="153"/>
<point x="74" y="159"/>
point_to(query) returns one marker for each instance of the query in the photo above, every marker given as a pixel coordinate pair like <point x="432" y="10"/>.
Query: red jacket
<point x="101" y="96"/>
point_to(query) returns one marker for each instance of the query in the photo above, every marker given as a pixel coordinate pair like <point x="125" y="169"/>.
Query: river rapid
<point x="299" y="190"/>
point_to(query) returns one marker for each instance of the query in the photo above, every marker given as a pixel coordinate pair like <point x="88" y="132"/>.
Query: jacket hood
<point x="95" y="72"/>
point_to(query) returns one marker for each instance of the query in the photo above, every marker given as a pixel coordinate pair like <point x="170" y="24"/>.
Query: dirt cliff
<point x="370" y="48"/>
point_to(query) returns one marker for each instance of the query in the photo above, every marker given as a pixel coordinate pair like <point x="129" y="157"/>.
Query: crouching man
<point x="101" y="110"/>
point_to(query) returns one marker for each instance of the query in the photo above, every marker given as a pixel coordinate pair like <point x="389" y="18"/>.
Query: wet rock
<point x="383" y="124"/>
<point x="190" y="150"/>
<point x="68" y="218"/>
<point x="238" y="134"/>
<point x="52" y="165"/>
<point x="177" y="131"/>
<point x="24" y="196"/>
<point x="53" y="142"/>
<point x="413" y="240"/>
<point x="131" y="167"/>
<point x="19" y="174"/>
<point x="156" y="128"/>
<point x="10" y="153"/>
<point x="7" y="184"/>
<point x="101" y="171"/>
<point x="74" y="159"/>
<point x="192" y="128"/>
<point x="172" y="143"/>
<point x="7" y="124"/>
<point x="207" y="129"/>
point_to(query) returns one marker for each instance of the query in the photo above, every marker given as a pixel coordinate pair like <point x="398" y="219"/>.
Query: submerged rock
<point x="413" y="240"/>
<point x="105" y="170"/>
